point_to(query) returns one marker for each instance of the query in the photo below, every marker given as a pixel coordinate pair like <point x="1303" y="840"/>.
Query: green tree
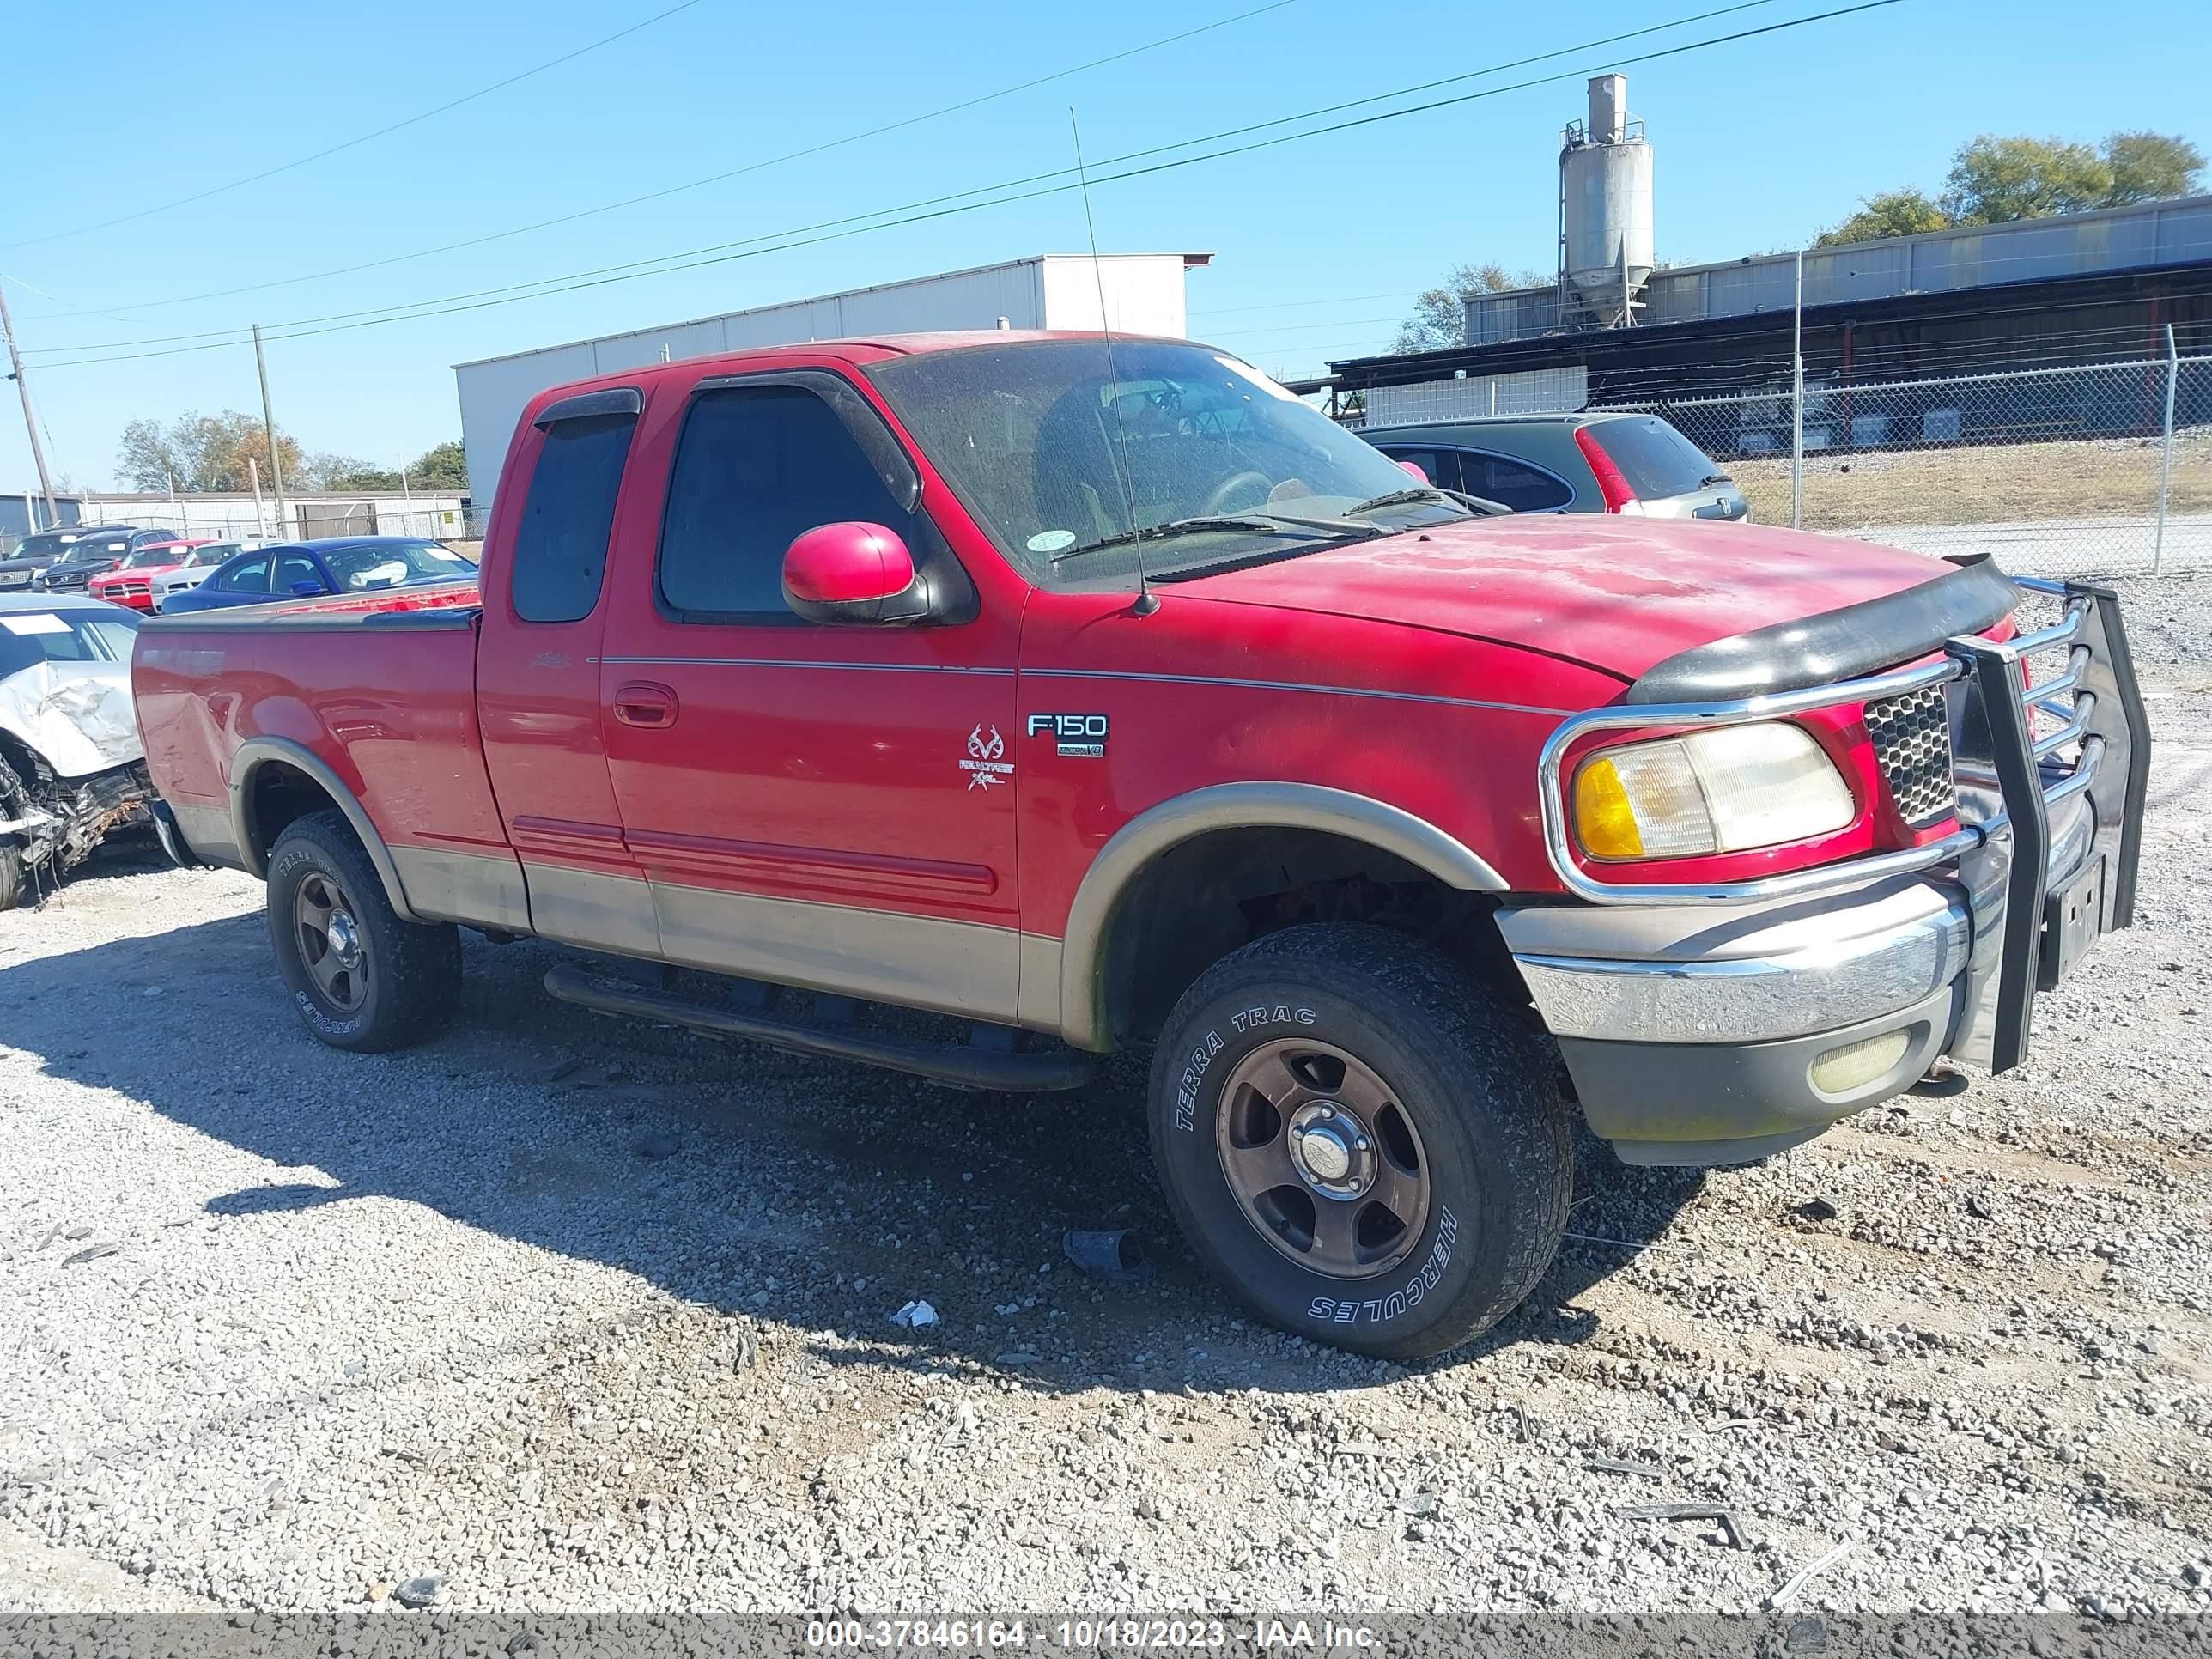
<point x="343" y="472"/>
<point x="2151" y="167"/>
<point x="442" y="466"/>
<point x="1439" y="316"/>
<point x="201" y="453"/>
<point x="1993" y="181"/>
<point x="1892" y="213"/>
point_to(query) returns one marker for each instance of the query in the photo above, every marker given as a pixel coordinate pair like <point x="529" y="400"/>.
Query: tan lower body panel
<point x="882" y="956"/>
<point x="476" y="888"/>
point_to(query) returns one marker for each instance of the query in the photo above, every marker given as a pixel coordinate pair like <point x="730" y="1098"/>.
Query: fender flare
<point x="255" y="753"/>
<point x="1233" y="807"/>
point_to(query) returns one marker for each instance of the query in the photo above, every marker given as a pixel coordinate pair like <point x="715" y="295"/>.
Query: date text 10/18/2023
<point x="1083" y="1636"/>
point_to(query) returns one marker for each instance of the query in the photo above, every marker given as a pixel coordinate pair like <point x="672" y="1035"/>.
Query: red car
<point x="132" y="582"/>
<point x="1091" y="693"/>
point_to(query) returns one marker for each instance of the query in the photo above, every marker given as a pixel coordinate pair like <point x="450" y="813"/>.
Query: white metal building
<point x="1144" y="294"/>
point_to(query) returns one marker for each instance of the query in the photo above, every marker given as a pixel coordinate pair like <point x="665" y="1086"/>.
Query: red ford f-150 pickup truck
<point x="1083" y="692"/>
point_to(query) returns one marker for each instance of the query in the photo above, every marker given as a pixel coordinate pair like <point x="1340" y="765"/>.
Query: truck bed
<point x="382" y="692"/>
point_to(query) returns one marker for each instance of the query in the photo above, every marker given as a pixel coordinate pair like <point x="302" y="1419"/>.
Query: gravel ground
<point x="577" y="1314"/>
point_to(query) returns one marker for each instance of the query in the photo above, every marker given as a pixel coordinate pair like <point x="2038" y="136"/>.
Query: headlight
<point x="1721" y="791"/>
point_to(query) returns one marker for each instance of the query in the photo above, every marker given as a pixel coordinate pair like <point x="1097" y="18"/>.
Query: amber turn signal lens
<point x="1604" y="821"/>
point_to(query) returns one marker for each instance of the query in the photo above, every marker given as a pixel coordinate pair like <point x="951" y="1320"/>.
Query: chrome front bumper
<point x="1696" y="1019"/>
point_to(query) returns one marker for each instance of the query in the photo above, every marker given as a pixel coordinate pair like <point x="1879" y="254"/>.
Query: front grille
<point x="1913" y="744"/>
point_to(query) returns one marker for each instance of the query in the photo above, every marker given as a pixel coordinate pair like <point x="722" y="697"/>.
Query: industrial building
<point x="1616" y="327"/>
<point x="1142" y="294"/>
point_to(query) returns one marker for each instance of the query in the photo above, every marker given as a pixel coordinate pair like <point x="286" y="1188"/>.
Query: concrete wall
<point x="1532" y="391"/>
<point x="1144" y="291"/>
<point x="423" y="513"/>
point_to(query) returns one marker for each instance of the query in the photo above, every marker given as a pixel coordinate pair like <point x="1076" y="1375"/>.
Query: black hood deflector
<point x="1835" y="645"/>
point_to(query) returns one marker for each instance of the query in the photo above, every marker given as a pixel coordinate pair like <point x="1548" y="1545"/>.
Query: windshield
<point x="393" y="563"/>
<point x="48" y="544"/>
<point x="99" y="548"/>
<point x="155" y="553"/>
<point x="1053" y="455"/>
<point x="213" y="553"/>
<point x="30" y="637"/>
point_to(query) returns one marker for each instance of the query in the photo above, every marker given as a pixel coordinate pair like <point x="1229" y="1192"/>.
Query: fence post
<point x="1798" y="400"/>
<point x="2166" y="459"/>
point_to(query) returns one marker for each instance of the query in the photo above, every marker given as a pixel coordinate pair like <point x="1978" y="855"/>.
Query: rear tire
<point x="11" y="875"/>
<point x="361" y="978"/>
<point x="1362" y="1143"/>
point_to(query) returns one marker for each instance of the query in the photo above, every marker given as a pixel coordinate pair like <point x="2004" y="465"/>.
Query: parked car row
<point x="65" y="560"/>
<point x="155" y="569"/>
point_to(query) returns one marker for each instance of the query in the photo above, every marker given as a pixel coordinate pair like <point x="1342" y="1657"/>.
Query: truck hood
<point x="1617" y="595"/>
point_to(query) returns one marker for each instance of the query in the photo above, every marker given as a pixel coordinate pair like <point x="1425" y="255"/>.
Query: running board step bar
<point x="968" y="1066"/>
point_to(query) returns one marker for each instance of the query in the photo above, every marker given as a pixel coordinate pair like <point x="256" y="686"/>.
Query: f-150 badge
<point x="983" y="766"/>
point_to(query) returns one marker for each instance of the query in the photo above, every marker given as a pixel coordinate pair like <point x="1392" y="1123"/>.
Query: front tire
<point x="11" y="875"/>
<point x="1361" y="1141"/>
<point x="361" y="978"/>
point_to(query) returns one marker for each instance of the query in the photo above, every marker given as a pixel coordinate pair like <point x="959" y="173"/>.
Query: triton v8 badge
<point x="1076" y="734"/>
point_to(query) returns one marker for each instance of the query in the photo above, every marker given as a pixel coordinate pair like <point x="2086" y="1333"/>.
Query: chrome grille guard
<point x="2009" y="779"/>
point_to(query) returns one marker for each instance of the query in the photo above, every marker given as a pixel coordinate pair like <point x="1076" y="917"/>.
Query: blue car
<point x="341" y="565"/>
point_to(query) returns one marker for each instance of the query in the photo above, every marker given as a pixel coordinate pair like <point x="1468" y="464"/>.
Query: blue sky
<point x="1320" y="244"/>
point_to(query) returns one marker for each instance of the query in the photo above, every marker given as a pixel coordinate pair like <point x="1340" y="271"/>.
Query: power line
<point x="1057" y="173"/>
<point x="711" y="179"/>
<point x="839" y="229"/>
<point x="350" y="143"/>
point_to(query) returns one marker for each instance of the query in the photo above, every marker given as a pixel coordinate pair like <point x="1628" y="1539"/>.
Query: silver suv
<point x="1590" y="462"/>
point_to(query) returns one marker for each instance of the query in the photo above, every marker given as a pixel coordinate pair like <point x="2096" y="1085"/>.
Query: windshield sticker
<point x="1246" y="372"/>
<point x="1051" y="541"/>
<point x="45" y="622"/>
<point x="984" y="765"/>
<point x="444" y="555"/>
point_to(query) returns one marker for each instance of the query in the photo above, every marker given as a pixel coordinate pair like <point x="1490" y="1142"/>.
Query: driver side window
<point x="754" y="467"/>
<point x="297" y="568"/>
<point x="250" y="577"/>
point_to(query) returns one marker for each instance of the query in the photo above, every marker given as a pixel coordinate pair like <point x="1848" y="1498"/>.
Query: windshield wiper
<point x="1427" y="494"/>
<point x="1259" y="523"/>
<point x="1712" y="479"/>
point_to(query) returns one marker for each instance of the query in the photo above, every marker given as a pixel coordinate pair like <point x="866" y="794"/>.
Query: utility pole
<point x="30" y="415"/>
<point x="268" y="430"/>
<point x="261" y="520"/>
<point x="1798" y="400"/>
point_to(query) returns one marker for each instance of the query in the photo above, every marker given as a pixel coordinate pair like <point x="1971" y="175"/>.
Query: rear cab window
<point x="560" y="559"/>
<point x="1655" y="458"/>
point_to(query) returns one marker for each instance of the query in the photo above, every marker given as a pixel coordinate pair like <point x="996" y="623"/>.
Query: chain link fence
<point x="2088" y="468"/>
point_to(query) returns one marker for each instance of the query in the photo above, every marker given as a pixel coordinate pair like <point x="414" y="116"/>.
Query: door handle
<point x="644" y="704"/>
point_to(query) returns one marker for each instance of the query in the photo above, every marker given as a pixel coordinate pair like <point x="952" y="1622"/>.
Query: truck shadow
<point x="772" y="1187"/>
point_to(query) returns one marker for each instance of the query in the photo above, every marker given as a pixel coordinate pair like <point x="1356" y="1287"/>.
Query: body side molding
<point x="1267" y="805"/>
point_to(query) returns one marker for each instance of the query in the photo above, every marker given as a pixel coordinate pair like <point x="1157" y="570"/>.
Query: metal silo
<point x="1605" y="205"/>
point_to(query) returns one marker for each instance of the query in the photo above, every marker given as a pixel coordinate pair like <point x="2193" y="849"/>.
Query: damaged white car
<point x="72" y="768"/>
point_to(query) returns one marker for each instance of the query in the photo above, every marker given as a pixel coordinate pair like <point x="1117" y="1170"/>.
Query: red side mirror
<point x="1414" y="467"/>
<point x="851" y="572"/>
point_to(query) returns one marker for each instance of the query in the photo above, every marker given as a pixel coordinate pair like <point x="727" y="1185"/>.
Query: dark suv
<point x="35" y="553"/>
<point x="1592" y="461"/>
<point x="99" y="548"/>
